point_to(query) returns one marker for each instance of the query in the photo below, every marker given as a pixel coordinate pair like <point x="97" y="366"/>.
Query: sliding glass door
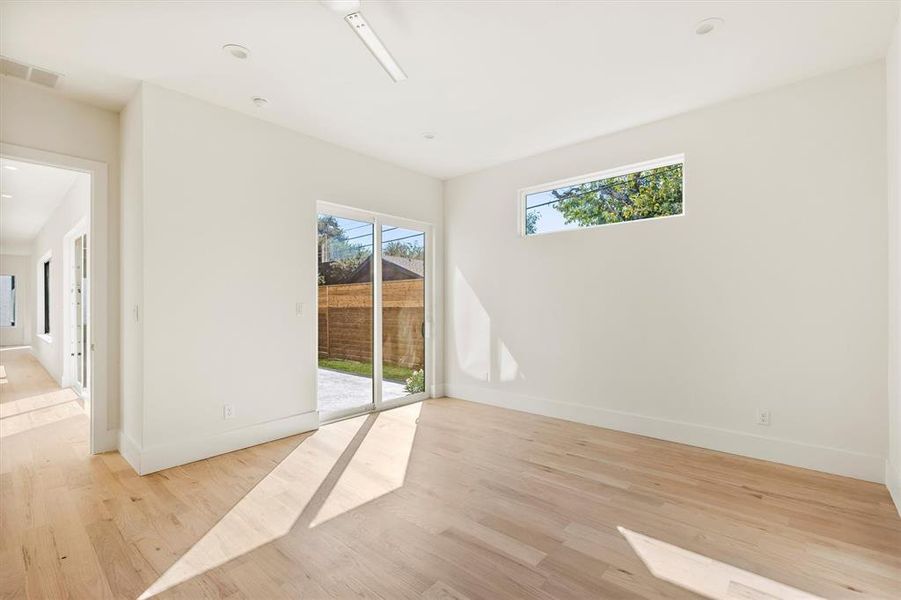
<point x="403" y="312"/>
<point x="372" y="340"/>
<point x="345" y="289"/>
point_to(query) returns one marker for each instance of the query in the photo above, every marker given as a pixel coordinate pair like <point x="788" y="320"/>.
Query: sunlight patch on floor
<point x="338" y="468"/>
<point x="378" y="467"/>
<point x="706" y="576"/>
<point x="29" y="413"/>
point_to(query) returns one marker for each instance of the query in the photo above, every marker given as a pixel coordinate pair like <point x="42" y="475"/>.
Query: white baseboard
<point x="164" y="456"/>
<point x="893" y="483"/>
<point x="107" y="441"/>
<point x="809" y="456"/>
<point x="130" y="451"/>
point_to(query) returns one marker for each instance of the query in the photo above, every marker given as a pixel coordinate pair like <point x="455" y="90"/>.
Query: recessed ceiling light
<point x="259" y="101"/>
<point x="430" y="135"/>
<point x="10" y="167"/>
<point x="709" y="25"/>
<point x="342" y="7"/>
<point x="236" y="50"/>
<point x="6" y="195"/>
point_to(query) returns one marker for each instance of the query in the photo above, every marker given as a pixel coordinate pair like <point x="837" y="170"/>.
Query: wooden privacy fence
<point x="345" y="322"/>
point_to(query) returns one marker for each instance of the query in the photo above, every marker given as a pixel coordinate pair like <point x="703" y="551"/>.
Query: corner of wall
<point x="131" y="276"/>
<point x="130" y="452"/>
<point x="893" y="483"/>
<point x="156" y="458"/>
<point x="893" y="198"/>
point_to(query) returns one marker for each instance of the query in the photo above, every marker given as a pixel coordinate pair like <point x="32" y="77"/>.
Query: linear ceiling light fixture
<point x="353" y="17"/>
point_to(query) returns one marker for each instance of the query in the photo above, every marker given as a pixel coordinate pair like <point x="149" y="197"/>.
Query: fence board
<point x="345" y="322"/>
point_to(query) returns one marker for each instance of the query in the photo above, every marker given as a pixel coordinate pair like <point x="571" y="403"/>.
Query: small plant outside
<point x="415" y="383"/>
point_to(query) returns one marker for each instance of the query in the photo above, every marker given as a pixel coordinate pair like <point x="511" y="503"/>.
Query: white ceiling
<point x="495" y="80"/>
<point x="36" y="191"/>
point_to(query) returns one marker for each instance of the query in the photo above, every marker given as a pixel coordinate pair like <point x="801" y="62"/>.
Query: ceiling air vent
<point x="29" y="73"/>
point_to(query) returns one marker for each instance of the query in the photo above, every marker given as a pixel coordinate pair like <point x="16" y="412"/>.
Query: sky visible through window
<point x="549" y="218"/>
<point x="359" y="234"/>
<point x="646" y="193"/>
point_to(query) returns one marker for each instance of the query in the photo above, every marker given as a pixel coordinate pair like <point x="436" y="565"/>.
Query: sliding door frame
<point x="378" y="220"/>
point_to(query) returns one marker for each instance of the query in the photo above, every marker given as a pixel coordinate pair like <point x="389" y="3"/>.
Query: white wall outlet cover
<point x="228" y="411"/>
<point x="763" y="417"/>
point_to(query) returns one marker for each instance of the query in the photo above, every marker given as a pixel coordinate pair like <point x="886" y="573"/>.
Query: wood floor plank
<point x="441" y="500"/>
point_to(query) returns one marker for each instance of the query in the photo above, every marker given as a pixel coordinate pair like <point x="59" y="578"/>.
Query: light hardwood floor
<point x="444" y="499"/>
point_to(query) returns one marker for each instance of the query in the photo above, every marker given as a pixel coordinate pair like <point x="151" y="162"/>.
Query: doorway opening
<point x="374" y="307"/>
<point x="49" y="235"/>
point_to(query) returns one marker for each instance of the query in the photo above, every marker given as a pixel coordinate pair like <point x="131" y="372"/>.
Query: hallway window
<point x="7" y="300"/>
<point x="46" y="328"/>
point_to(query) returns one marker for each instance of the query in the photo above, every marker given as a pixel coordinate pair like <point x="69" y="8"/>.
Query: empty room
<point x="450" y="300"/>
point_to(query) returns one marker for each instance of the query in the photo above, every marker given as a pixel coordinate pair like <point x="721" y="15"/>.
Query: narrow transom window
<point x="633" y="193"/>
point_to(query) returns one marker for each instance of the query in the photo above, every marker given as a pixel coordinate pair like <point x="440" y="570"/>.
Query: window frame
<point x="45" y="268"/>
<point x="41" y="304"/>
<point x="523" y="193"/>
<point x="13" y="297"/>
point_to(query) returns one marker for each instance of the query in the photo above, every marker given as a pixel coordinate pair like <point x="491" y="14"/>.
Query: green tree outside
<point x="641" y="195"/>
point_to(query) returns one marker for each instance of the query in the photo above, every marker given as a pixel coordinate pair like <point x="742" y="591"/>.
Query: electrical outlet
<point x="763" y="417"/>
<point x="228" y="411"/>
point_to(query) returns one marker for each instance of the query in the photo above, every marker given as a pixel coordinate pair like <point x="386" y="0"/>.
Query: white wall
<point x="34" y="117"/>
<point x="74" y="208"/>
<point x="19" y="266"/>
<point x="227" y="212"/>
<point x="769" y="292"/>
<point x="893" y="112"/>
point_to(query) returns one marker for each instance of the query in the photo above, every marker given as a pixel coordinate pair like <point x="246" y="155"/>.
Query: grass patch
<point x="390" y="372"/>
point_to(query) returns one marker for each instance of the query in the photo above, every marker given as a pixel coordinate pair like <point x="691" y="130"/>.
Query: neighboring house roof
<point x="414" y="266"/>
<point x="394" y="268"/>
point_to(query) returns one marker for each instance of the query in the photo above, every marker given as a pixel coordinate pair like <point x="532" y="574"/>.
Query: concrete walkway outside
<point x="342" y="391"/>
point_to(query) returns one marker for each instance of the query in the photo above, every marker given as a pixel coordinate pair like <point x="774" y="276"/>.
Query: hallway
<point x="44" y="453"/>
<point x="31" y="401"/>
<point x="75" y="525"/>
